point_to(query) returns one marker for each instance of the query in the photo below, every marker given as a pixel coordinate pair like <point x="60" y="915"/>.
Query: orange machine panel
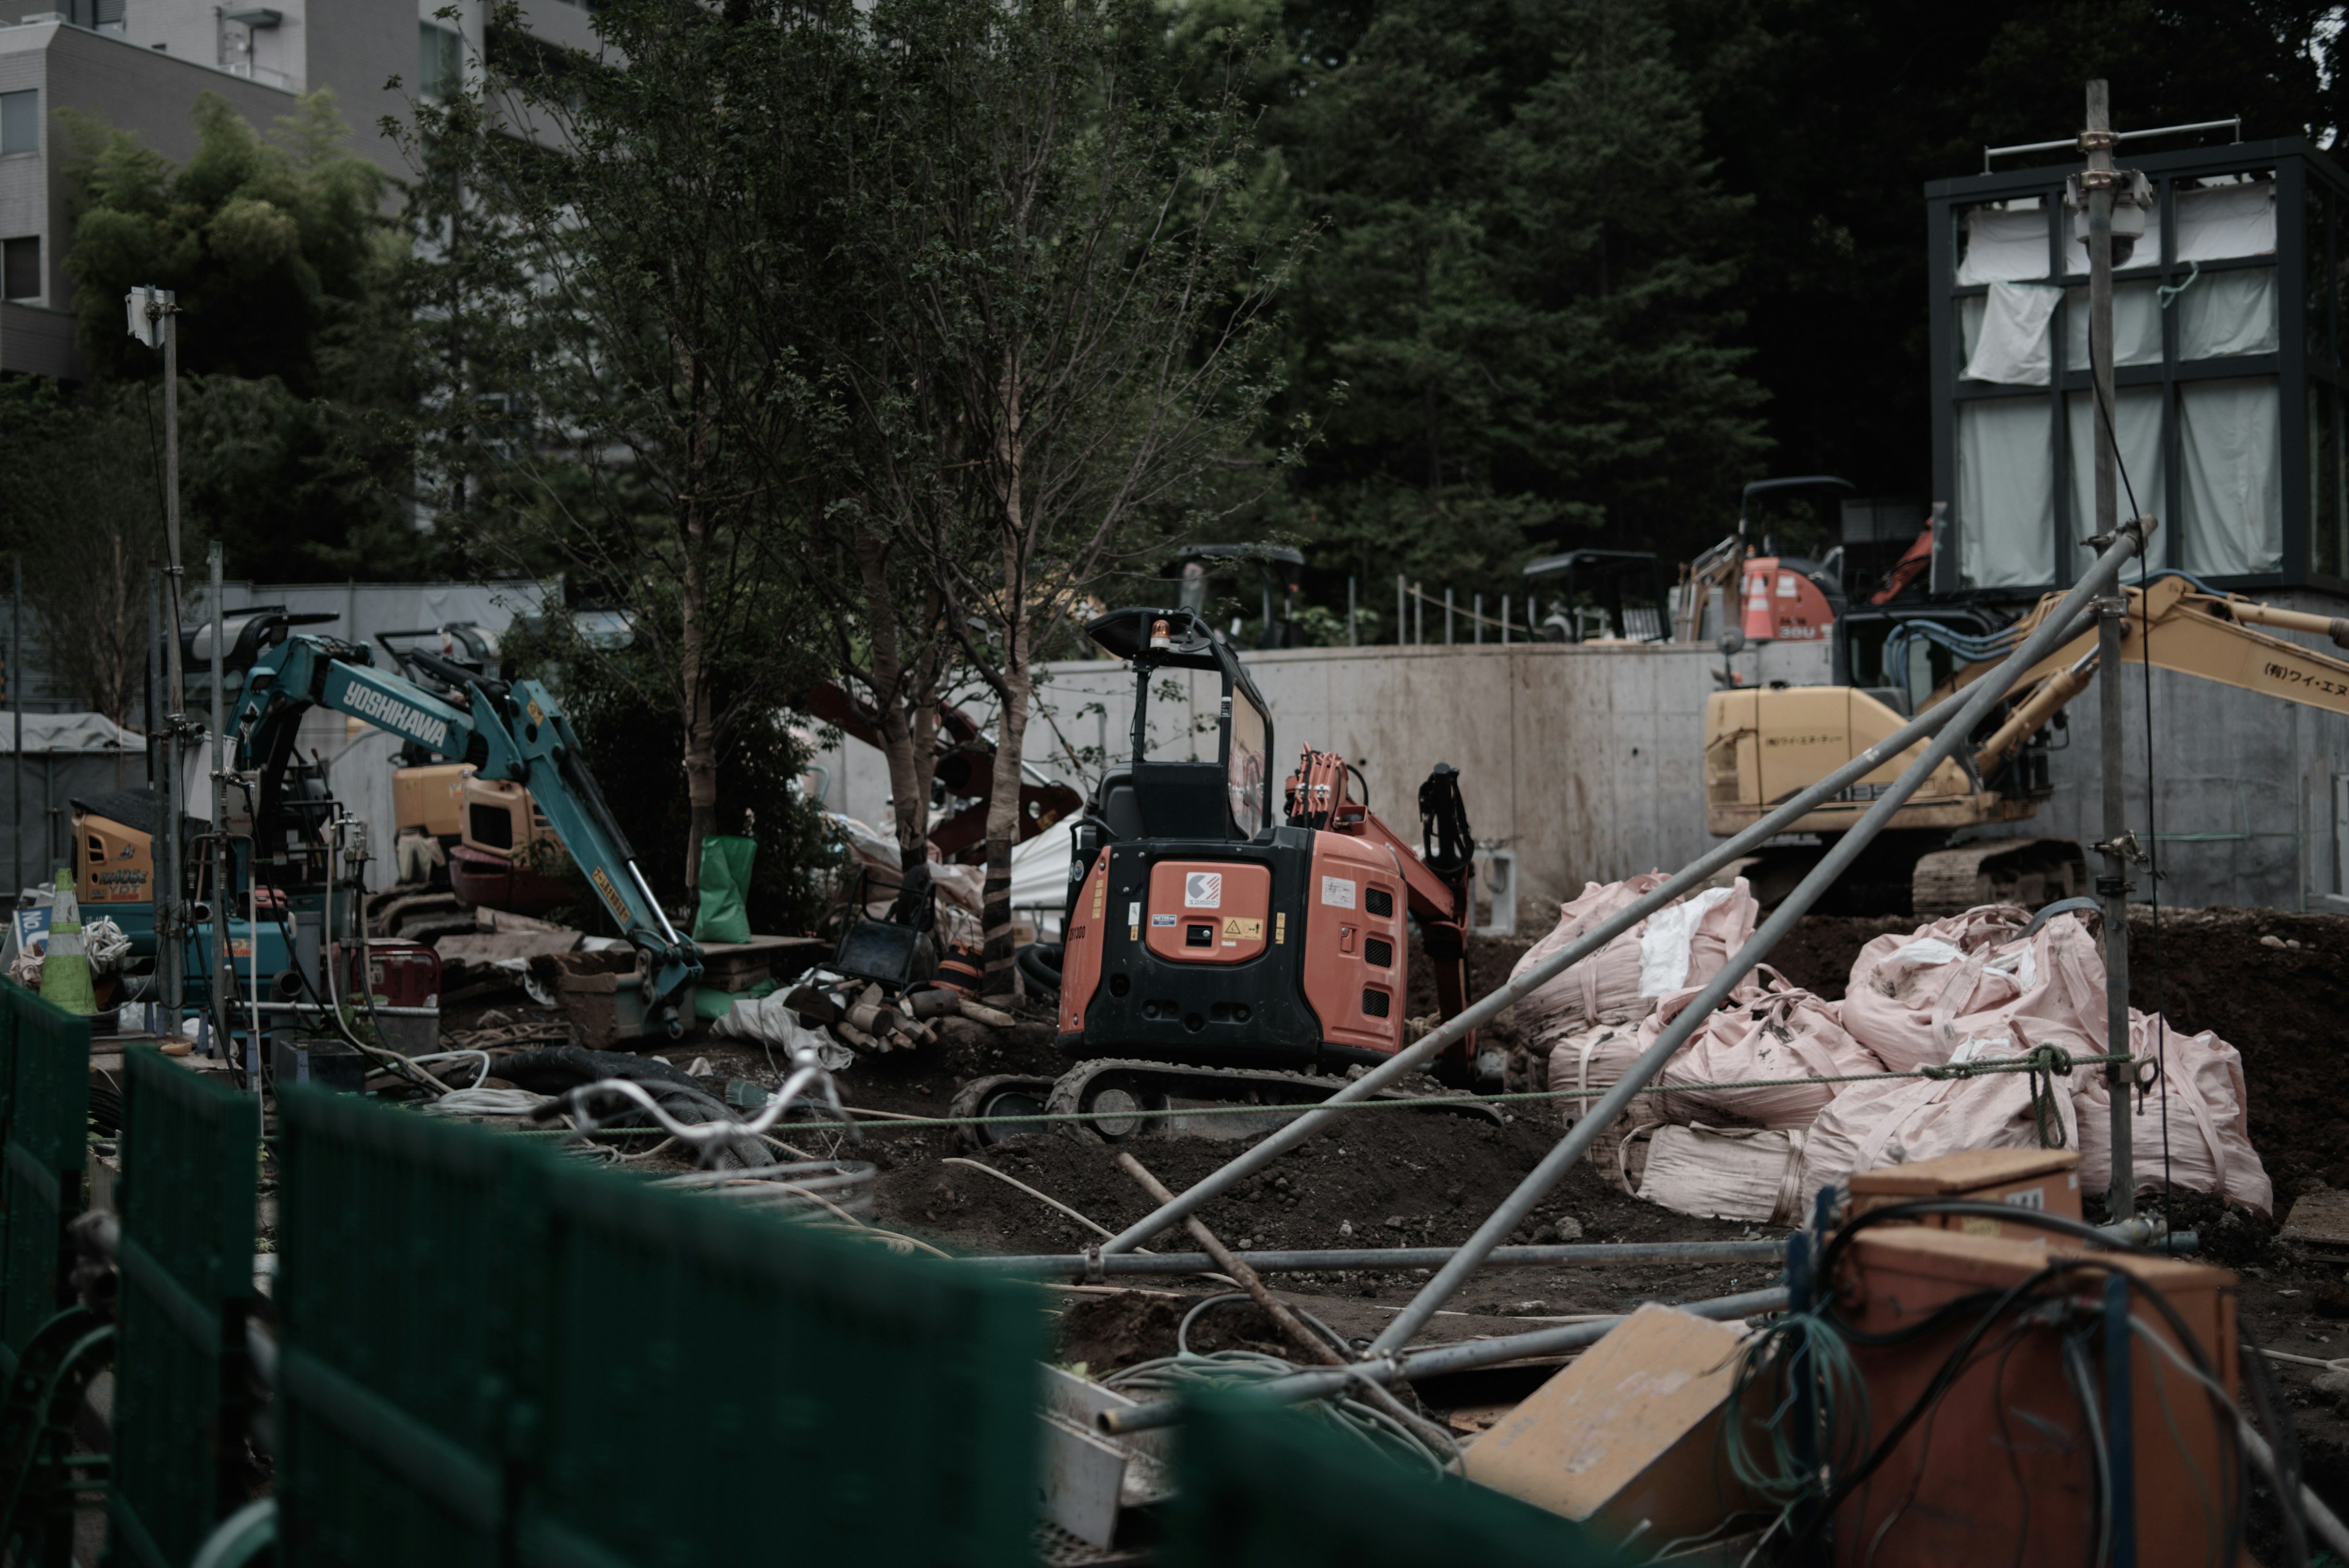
<point x="431" y="798"/>
<point x="1783" y="605"/>
<point x="1208" y="911"/>
<point x="1356" y="955"/>
<point x="2045" y="1179"/>
<point x="2002" y="1471"/>
<point x="1080" y="963"/>
<point x="118" y="863"/>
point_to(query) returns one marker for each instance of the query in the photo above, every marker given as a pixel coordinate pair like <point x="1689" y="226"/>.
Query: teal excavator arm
<point x="510" y="731"/>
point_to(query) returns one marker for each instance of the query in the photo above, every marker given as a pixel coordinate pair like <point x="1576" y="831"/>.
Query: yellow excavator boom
<point x="2173" y="626"/>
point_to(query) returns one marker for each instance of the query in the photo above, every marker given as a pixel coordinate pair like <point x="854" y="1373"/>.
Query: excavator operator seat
<point x="1116" y="806"/>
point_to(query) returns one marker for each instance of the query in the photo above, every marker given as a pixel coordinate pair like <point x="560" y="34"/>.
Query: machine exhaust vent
<point x="1379" y="951"/>
<point x="1374" y="1004"/>
<point x="1378" y="902"/>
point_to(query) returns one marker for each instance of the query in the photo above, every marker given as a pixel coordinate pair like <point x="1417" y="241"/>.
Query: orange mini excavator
<point x="1218" y="953"/>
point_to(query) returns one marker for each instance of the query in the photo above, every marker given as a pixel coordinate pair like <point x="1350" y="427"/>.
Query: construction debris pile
<point x="1782" y="1092"/>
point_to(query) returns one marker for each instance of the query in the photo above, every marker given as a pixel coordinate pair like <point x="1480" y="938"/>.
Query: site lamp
<point x="2132" y="201"/>
<point x="144" y="308"/>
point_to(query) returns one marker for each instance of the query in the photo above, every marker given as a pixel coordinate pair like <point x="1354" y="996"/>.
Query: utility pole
<point x="2096" y="185"/>
<point x="153" y="318"/>
<point x="17" y="710"/>
<point x="223" y="964"/>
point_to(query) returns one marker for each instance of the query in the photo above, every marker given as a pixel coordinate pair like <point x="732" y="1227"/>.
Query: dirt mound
<point x="1383" y="1178"/>
<point x="1817" y="954"/>
<point x="1105" y="1333"/>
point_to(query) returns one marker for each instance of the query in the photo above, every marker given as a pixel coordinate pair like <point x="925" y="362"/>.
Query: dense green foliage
<point x="293" y="342"/>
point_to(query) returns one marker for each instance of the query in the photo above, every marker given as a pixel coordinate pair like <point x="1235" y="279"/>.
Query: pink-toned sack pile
<point x="1915" y="1001"/>
<point x="2209" y="1116"/>
<point x="1683" y="944"/>
<point x="1765" y="1035"/>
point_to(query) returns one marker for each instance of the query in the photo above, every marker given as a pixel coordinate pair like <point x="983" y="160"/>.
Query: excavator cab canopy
<point x="1225" y="799"/>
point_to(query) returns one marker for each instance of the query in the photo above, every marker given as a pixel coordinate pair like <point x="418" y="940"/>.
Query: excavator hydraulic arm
<point x="515" y="731"/>
<point x="1435" y="877"/>
<point x="2173" y="626"/>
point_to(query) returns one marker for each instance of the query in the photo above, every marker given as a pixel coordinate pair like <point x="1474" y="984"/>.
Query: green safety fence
<point x="780" y="1385"/>
<point x="45" y="1064"/>
<point x="490" y="1354"/>
<point x="406" y="1329"/>
<point x="191" y="1151"/>
<point x="1259" y="1486"/>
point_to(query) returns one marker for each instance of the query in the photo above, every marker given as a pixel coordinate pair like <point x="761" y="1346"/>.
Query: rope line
<point x="2047" y="1060"/>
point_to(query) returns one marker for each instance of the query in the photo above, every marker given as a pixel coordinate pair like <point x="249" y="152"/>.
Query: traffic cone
<point x="65" y="971"/>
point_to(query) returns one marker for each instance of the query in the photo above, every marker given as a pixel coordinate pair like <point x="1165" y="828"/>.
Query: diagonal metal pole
<point x="1980" y="699"/>
<point x="1426" y="1049"/>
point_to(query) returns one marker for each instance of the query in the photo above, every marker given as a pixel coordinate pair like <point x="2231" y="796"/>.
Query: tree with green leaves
<point x="1517" y="332"/>
<point x="1058" y="341"/>
<point x="292" y="340"/>
<point x="602" y="246"/>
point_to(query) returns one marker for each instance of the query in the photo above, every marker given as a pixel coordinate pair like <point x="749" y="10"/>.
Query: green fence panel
<point x="190" y="1147"/>
<point x="1259" y="1486"/>
<point x="726" y="1385"/>
<point x="406" y="1279"/>
<point x="42" y="1162"/>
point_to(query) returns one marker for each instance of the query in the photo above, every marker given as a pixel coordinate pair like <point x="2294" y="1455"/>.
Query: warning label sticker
<point x="1238" y="930"/>
<point x="1338" y="892"/>
<point x="1202" y="889"/>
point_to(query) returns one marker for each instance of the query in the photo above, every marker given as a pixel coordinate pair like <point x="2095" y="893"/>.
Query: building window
<point x="441" y="62"/>
<point x="20" y="268"/>
<point x="20" y="121"/>
<point x="2231" y="477"/>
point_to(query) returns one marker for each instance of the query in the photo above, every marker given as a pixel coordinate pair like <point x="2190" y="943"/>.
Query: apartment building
<point x="140" y="64"/>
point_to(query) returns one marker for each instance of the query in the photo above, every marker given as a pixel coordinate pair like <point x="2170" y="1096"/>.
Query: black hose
<point x="1040" y="966"/>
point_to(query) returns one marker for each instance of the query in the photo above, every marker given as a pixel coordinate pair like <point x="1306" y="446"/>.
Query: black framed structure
<point x="2231" y="385"/>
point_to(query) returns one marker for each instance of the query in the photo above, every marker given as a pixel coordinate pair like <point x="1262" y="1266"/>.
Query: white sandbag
<point x="1685" y="943"/>
<point x="1590" y="1059"/>
<point x="2208" y="1118"/>
<point x="1914" y="1000"/>
<point x="1726" y="1173"/>
<point x="1780" y="1033"/>
<point x="1901" y="1120"/>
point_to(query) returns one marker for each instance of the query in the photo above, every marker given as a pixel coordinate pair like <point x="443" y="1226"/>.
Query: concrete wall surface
<point x="1586" y="761"/>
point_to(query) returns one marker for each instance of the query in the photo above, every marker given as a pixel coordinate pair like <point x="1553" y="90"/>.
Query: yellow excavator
<point x="1764" y="744"/>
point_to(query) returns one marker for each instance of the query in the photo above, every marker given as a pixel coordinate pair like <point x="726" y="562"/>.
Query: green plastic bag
<point x="725" y="882"/>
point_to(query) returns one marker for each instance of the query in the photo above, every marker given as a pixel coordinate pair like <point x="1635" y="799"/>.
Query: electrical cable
<point x="1986" y="1309"/>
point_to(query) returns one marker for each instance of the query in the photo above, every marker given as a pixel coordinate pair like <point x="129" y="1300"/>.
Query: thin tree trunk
<point x="905" y="707"/>
<point x="700" y="730"/>
<point x="1003" y="803"/>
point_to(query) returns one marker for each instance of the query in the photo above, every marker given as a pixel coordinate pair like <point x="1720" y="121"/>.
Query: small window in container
<point x="2226" y="313"/>
<point x="2136" y="326"/>
<point x="2225" y="216"/>
<point x="2006" y="492"/>
<point x="2230" y="470"/>
<point x="2002" y="242"/>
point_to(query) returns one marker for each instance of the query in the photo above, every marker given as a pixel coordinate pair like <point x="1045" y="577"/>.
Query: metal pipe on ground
<point x="2127" y="542"/>
<point x="1426" y="1049"/>
<point x="1568" y="1255"/>
<point x="1429" y="1361"/>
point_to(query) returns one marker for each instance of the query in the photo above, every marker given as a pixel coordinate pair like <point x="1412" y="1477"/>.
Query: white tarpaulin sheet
<point x="2137" y="327"/>
<point x="2004" y="246"/>
<point x="2006" y="492"/>
<point x="2230" y="512"/>
<point x="2221" y="221"/>
<point x="2137" y="419"/>
<point x="2011" y="345"/>
<point x="2223" y="313"/>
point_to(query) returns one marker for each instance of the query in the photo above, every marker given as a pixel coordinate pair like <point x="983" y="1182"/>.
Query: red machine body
<point x="1203" y="928"/>
<point x="1784" y="601"/>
